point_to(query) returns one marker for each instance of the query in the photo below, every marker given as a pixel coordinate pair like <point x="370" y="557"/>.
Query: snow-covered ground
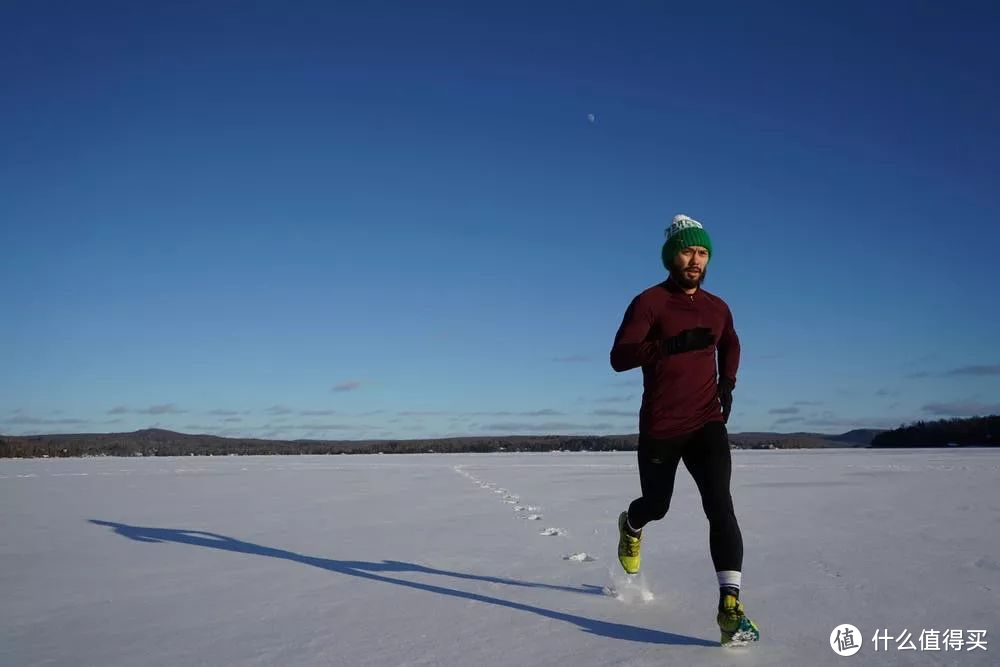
<point x="499" y="559"/>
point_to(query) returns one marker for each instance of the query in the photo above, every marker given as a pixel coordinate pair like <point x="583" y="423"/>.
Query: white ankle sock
<point x="730" y="578"/>
<point x="629" y="524"/>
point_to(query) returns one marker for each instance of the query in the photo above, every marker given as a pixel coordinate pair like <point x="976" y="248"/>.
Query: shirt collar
<point x="671" y="286"/>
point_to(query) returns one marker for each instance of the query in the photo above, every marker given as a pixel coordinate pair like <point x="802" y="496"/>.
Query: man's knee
<point x="658" y="509"/>
<point x="650" y="509"/>
<point x="719" y="509"/>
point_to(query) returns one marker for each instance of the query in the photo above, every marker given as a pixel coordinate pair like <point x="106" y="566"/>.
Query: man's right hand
<point x="689" y="340"/>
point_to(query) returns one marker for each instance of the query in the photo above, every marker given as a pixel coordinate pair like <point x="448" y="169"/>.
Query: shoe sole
<point x="741" y="639"/>
<point x="746" y="635"/>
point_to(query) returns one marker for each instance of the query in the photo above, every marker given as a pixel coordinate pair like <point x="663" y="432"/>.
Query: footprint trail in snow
<point x="523" y="511"/>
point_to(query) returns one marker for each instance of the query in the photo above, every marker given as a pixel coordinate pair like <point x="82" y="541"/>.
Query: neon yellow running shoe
<point x="737" y="629"/>
<point x="628" y="546"/>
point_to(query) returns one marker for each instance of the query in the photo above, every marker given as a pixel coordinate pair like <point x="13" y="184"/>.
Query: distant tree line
<point x="974" y="431"/>
<point x="156" y="442"/>
<point x="782" y="441"/>
<point x="159" y="442"/>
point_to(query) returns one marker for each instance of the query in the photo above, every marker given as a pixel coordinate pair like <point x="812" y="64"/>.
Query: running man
<point x="683" y="338"/>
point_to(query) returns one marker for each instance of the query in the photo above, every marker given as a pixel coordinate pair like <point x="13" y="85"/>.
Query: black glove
<point x="726" y="397"/>
<point x="689" y="340"/>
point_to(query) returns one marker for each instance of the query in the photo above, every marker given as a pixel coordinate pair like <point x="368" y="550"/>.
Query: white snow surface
<point x="422" y="560"/>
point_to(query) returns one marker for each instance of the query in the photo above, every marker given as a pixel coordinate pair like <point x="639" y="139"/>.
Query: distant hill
<point x="803" y="440"/>
<point x="861" y="436"/>
<point x="161" y="442"/>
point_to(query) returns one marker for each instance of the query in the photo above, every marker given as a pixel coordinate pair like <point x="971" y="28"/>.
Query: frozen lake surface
<point x="491" y="559"/>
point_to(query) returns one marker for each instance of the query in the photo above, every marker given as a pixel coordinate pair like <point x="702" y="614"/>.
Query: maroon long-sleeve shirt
<point x="680" y="391"/>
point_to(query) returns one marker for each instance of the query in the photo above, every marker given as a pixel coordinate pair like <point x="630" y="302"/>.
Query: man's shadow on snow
<point x="377" y="572"/>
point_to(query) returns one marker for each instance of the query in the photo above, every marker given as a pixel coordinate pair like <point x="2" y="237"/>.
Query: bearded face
<point x="689" y="266"/>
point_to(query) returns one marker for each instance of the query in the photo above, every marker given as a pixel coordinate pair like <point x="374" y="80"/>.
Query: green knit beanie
<point x="684" y="232"/>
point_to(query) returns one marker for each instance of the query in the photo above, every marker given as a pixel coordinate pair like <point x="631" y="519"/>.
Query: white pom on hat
<point x="681" y="222"/>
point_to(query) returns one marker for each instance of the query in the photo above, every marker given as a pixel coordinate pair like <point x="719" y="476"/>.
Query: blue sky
<point x="383" y="220"/>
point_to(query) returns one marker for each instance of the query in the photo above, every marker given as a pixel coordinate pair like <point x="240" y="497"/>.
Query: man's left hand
<point x="726" y="397"/>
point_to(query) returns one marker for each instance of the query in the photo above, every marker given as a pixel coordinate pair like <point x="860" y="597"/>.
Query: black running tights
<point x="705" y="453"/>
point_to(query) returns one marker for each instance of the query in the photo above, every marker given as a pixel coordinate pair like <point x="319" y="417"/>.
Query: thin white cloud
<point x="975" y="370"/>
<point x="988" y="369"/>
<point x="325" y="427"/>
<point x="525" y="427"/>
<point x="161" y="409"/>
<point x="573" y="359"/>
<point x="614" y="413"/>
<point x="27" y="420"/>
<point x="962" y="409"/>
<point x="615" y="399"/>
<point x="543" y="412"/>
<point x="347" y="385"/>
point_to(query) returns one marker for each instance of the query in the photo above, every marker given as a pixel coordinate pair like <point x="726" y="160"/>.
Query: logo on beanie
<point x="684" y="232"/>
<point x="682" y="222"/>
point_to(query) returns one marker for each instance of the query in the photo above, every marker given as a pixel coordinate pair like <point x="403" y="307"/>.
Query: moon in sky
<point x="591" y="118"/>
